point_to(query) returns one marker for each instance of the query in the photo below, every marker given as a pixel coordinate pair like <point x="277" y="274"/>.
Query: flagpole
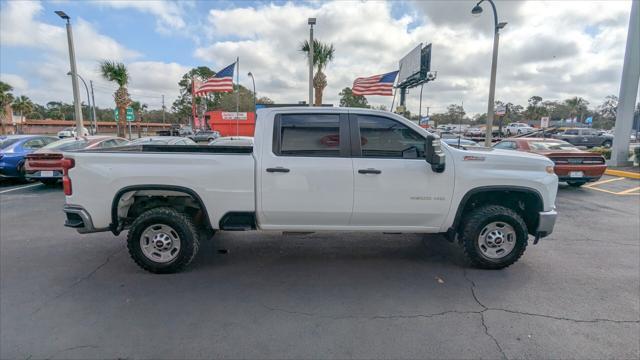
<point x="193" y="102"/>
<point x="237" y="93"/>
<point x="395" y="89"/>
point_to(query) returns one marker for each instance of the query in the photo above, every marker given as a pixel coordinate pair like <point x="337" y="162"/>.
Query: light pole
<point x="311" y="22"/>
<point x="74" y="80"/>
<point x="254" y="91"/>
<point x="88" y="101"/>
<point x="477" y="10"/>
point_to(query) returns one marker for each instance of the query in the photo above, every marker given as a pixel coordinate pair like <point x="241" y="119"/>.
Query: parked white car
<point x="314" y="169"/>
<point x="517" y="129"/>
<point x="71" y="132"/>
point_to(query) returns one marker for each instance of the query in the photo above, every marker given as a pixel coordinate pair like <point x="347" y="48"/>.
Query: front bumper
<point x="79" y="219"/>
<point x="546" y="223"/>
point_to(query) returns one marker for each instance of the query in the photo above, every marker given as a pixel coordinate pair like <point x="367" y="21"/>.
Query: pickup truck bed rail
<point x="155" y="148"/>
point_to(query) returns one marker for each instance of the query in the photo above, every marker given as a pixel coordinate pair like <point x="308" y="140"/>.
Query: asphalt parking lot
<point x="335" y="295"/>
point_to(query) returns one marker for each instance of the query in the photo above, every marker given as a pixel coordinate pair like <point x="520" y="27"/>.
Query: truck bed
<point x="223" y="176"/>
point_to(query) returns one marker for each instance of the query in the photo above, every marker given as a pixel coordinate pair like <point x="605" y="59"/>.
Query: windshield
<point x="6" y="142"/>
<point x="551" y="145"/>
<point x="67" y="144"/>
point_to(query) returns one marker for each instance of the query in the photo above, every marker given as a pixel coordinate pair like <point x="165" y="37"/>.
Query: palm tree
<point x="117" y="72"/>
<point x="576" y="105"/>
<point x="23" y="105"/>
<point x="322" y="55"/>
<point x="6" y="99"/>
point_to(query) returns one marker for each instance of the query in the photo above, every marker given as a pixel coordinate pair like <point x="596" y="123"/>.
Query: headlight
<point x="549" y="169"/>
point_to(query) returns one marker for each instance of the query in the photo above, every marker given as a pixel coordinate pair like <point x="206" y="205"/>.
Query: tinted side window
<point x="571" y="132"/>
<point x="309" y="135"/>
<point x="386" y="138"/>
<point x="33" y="144"/>
<point x="508" y="145"/>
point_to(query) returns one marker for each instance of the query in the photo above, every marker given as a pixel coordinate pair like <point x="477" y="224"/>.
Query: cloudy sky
<point x="554" y="49"/>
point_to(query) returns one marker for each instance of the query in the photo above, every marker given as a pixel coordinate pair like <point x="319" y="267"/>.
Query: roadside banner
<point x="544" y="122"/>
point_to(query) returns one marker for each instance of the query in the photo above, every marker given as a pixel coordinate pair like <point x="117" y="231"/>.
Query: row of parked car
<point x="573" y="164"/>
<point x="39" y="157"/>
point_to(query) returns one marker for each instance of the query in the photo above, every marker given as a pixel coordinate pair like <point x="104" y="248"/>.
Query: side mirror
<point x="434" y="155"/>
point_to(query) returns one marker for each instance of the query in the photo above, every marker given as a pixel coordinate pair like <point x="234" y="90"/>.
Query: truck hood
<point x="510" y="161"/>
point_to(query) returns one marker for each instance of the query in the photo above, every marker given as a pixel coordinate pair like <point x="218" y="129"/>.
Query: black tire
<point x="475" y="222"/>
<point x="181" y="223"/>
<point x="607" y="143"/>
<point x="576" y="183"/>
<point x="49" y="182"/>
<point x="210" y="139"/>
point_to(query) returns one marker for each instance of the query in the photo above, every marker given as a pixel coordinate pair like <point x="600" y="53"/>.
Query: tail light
<point x="66" y="181"/>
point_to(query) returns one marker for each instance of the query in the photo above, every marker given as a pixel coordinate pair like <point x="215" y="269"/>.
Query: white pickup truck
<point x="313" y="169"/>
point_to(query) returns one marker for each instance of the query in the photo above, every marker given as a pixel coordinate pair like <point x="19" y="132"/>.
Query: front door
<point x="307" y="175"/>
<point x="395" y="187"/>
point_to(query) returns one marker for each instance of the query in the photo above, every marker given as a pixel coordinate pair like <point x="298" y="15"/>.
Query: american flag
<point x="220" y="82"/>
<point x="375" y="85"/>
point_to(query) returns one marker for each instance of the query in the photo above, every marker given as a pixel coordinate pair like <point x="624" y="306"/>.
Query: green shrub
<point x="606" y="152"/>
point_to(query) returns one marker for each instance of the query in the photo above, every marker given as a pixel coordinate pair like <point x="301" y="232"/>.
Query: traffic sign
<point x="130" y="115"/>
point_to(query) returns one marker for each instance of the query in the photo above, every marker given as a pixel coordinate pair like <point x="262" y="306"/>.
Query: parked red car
<point x="45" y="164"/>
<point x="573" y="165"/>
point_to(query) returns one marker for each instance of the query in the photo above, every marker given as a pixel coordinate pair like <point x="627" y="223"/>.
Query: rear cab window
<point x="311" y="135"/>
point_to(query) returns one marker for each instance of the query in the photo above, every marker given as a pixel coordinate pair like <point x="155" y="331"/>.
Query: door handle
<point x="369" y="171"/>
<point x="277" y="169"/>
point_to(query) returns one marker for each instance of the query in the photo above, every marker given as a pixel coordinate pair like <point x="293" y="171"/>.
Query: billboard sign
<point x="228" y="115"/>
<point x="410" y="64"/>
<point x="501" y="110"/>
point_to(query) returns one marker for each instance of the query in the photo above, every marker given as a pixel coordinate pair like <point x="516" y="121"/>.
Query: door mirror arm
<point x="434" y="155"/>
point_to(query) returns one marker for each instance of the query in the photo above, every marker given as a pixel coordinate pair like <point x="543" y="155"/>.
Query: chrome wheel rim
<point x="497" y="240"/>
<point x="160" y="243"/>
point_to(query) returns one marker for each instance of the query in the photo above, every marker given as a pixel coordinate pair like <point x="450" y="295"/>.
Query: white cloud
<point x="19" y="84"/>
<point x="169" y="14"/>
<point x="545" y="49"/>
<point x="20" y="28"/>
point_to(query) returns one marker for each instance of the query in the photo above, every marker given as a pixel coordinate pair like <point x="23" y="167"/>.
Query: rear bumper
<point x="79" y="219"/>
<point x="39" y="174"/>
<point x="546" y="223"/>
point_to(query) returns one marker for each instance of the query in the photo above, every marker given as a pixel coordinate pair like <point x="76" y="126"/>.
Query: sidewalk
<point x="632" y="172"/>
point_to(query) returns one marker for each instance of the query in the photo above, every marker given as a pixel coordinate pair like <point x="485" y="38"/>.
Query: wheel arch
<point x="501" y="195"/>
<point x="116" y="226"/>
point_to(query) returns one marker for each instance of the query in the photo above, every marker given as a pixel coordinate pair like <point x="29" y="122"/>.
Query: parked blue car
<point x="13" y="149"/>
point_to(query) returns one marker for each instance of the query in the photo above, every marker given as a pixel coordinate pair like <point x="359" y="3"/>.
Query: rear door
<point x="395" y="188"/>
<point x="307" y="174"/>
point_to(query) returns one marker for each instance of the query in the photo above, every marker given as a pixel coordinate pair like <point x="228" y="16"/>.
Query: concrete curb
<point x="627" y="174"/>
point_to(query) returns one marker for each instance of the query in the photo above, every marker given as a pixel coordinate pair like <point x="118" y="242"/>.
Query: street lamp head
<point x="502" y="25"/>
<point x="477" y="10"/>
<point x="311" y="21"/>
<point x="69" y="73"/>
<point x="62" y="14"/>
<point x="249" y="74"/>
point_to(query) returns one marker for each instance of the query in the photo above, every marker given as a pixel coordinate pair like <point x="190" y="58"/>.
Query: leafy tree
<point x="118" y="73"/>
<point x="576" y="105"/>
<point x="348" y="99"/>
<point x="322" y="55"/>
<point x="23" y="105"/>
<point x="182" y="105"/>
<point x="6" y="99"/>
<point x="535" y="108"/>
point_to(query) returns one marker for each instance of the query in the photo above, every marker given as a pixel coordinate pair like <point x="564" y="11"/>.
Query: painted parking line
<point x="603" y="182"/>
<point x="631" y="191"/>
<point x="20" y="188"/>
<point x="595" y="186"/>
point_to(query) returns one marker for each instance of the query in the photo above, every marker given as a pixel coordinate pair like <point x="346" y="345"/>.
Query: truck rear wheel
<point x="163" y="240"/>
<point x="493" y="237"/>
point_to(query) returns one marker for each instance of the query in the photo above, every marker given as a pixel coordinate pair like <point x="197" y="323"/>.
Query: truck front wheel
<point x="163" y="240"/>
<point x="493" y="237"/>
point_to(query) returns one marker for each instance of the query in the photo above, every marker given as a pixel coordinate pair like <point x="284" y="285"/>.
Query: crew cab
<point x="586" y="137"/>
<point x="313" y="169"/>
